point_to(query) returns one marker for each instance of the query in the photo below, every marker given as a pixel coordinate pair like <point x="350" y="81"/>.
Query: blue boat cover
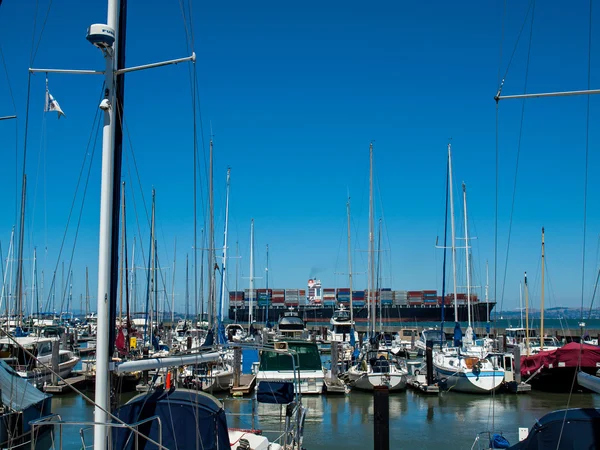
<point x="249" y="357"/>
<point x="190" y="419"/>
<point x="210" y="339"/>
<point x="280" y="393"/>
<point x="499" y="441"/>
<point x="577" y="429"/>
<point x="458" y="335"/>
<point x="17" y="392"/>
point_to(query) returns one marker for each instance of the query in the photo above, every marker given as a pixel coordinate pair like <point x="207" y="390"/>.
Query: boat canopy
<point x="186" y="416"/>
<point x="277" y="392"/>
<point x="567" y="356"/>
<point x="17" y="392"/>
<point x="575" y="428"/>
<point x="306" y="354"/>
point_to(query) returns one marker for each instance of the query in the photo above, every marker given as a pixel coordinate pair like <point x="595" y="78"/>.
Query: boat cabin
<point x="291" y="326"/>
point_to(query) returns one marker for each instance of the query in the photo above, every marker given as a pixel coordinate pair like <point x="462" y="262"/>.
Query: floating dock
<point x="419" y="384"/>
<point x="246" y="385"/>
<point x="334" y="386"/>
<point x="64" y="386"/>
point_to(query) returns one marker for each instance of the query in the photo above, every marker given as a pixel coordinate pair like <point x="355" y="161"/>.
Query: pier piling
<point x="381" y="400"/>
<point x="429" y="363"/>
<point x="55" y="353"/>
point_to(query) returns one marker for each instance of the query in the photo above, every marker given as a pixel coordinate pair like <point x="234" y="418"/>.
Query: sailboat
<point x="375" y="368"/>
<point x="169" y="418"/>
<point x="555" y="369"/>
<point x="465" y="369"/>
<point x="342" y="320"/>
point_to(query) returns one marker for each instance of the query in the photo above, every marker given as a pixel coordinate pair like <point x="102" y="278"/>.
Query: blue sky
<point x="294" y="93"/>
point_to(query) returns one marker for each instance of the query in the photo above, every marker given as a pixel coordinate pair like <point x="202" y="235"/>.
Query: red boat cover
<point x="567" y="355"/>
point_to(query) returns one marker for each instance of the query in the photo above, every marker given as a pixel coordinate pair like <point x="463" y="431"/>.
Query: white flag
<point x="52" y="105"/>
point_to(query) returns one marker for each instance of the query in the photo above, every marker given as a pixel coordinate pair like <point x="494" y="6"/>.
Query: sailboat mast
<point x="453" y="230"/>
<point x="521" y="302"/>
<point x="133" y="283"/>
<point x="350" y="267"/>
<point x="378" y="289"/>
<point x="237" y="258"/>
<point x="526" y="316"/>
<point x="371" y="243"/>
<point x="87" y="292"/>
<point x="173" y="285"/>
<point x="251" y="273"/>
<point x="34" y="294"/>
<point x="151" y="291"/>
<point x="267" y="287"/>
<point x="542" y="295"/>
<point x="105" y="245"/>
<point x="201" y="319"/>
<point x="487" y="288"/>
<point x="224" y="262"/>
<point x="187" y="288"/>
<point x="464" y="186"/>
<point x="19" y="280"/>
<point x="211" y="237"/>
<point x="122" y="253"/>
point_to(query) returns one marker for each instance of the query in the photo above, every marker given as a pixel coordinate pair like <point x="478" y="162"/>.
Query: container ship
<point x="317" y="304"/>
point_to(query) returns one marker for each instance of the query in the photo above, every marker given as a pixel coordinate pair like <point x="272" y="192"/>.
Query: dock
<point x="64" y="386"/>
<point x="334" y="386"/>
<point x="517" y="388"/>
<point x="81" y="351"/>
<point x="246" y="385"/>
<point x="419" y="383"/>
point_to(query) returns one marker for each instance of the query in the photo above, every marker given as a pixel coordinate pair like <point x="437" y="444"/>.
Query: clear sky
<point x="294" y="93"/>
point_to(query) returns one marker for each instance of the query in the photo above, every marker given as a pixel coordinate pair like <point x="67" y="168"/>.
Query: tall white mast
<point x="521" y="302"/>
<point x="487" y="288"/>
<point x="106" y="38"/>
<point x="453" y="231"/>
<point x="350" y="268"/>
<point x="34" y="281"/>
<point x="224" y="262"/>
<point x="105" y="251"/>
<point x="211" y="238"/>
<point x="469" y="330"/>
<point x="371" y="243"/>
<point x="251" y="273"/>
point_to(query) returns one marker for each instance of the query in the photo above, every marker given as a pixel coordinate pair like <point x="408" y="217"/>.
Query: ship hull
<point x="410" y="314"/>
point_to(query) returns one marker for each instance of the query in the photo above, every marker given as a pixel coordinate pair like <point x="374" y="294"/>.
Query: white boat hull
<point x="369" y="381"/>
<point x="469" y="382"/>
<point x="310" y="382"/>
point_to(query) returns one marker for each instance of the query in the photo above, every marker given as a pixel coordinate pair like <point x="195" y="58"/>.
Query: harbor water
<point x="449" y="420"/>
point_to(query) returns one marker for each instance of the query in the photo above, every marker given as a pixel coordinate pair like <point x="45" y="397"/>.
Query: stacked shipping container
<point x="278" y="298"/>
<point x="343" y="295"/>
<point x="400" y="298"/>
<point x="387" y="297"/>
<point x="430" y="298"/>
<point x="236" y="298"/>
<point x="358" y="298"/>
<point x="292" y="297"/>
<point x="328" y="296"/>
<point x="415" y="298"/>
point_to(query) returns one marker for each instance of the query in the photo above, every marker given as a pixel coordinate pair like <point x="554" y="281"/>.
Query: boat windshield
<point x="307" y="356"/>
<point x="434" y="336"/>
<point x="346" y="329"/>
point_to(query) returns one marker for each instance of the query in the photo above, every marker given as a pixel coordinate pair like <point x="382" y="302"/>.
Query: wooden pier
<point x="63" y="387"/>
<point x="419" y="383"/>
<point x="246" y="385"/>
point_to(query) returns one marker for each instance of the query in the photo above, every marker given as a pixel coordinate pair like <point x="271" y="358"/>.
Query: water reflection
<point x="450" y="420"/>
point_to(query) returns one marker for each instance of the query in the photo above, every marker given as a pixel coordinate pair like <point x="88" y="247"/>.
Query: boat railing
<point x="293" y="427"/>
<point x="55" y="420"/>
<point x="483" y="440"/>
